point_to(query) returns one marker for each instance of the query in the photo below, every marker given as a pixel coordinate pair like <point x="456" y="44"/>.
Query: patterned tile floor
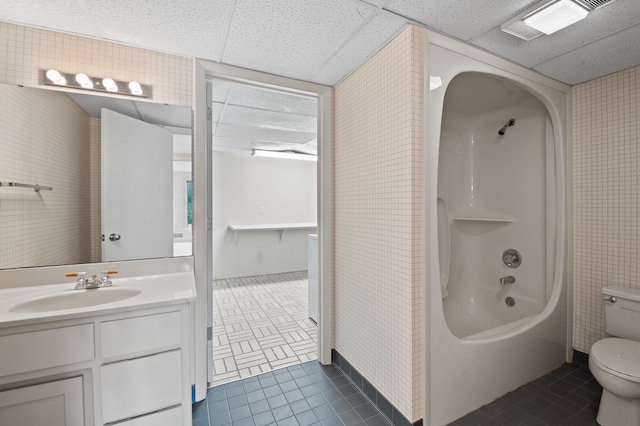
<point x="303" y="394"/>
<point x="567" y="396"/>
<point x="260" y="324"/>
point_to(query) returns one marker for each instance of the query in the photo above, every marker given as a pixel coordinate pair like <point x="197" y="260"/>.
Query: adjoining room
<point x="264" y="219"/>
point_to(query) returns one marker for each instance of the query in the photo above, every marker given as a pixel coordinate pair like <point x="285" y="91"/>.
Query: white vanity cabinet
<point x="57" y="403"/>
<point x="129" y="367"/>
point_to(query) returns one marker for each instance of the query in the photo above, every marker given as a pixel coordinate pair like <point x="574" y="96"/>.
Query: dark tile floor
<point x="567" y="396"/>
<point x="304" y="394"/>
<point x="312" y="394"/>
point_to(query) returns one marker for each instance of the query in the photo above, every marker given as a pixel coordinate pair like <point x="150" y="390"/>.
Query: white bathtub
<point x="481" y="348"/>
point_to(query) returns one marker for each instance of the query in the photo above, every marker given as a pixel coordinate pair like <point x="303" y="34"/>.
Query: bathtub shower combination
<point x="498" y="313"/>
<point x="496" y="205"/>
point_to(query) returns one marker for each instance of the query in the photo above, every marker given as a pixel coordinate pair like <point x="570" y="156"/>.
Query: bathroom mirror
<point x="87" y="178"/>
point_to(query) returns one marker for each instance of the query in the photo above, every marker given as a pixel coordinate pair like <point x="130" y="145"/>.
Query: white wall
<point x="242" y="184"/>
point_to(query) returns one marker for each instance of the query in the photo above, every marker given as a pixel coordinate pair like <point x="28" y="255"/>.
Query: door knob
<point x="114" y="237"/>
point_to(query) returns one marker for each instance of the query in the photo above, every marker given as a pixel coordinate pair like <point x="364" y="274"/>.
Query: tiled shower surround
<point x="377" y="221"/>
<point x="606" y="195"/>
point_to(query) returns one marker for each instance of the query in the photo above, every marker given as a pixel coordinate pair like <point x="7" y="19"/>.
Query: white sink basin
<point x="73" y="299"/>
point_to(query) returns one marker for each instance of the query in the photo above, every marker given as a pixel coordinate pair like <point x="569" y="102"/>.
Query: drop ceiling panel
<point x="187" y="27"/>
<point x="366" y="42"/>
<point x="216" y="110"/>
<point x="463" y="19"/>
<point x="67" y="15"/>
<point x="166" y="115"/>
<point x="257" y="133"/>
<point x="268" y="119"/>
<point x="614" y="53"/>
<point x="377" y="3"/>
<point x="600" y="23"/>
<point x="291" y="38"/>
<point x="220" y="89"/>
<point x="92" y="104"/>
<point x="255" y="97"/>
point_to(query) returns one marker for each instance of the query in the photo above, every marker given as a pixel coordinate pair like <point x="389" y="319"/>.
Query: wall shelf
<point x="481" y="215"/>
<point x="280" y="227"/>
<point x="484" y="219"/>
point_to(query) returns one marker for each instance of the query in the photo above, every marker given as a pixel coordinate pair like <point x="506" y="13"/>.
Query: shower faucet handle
<point x="507" y="280"/>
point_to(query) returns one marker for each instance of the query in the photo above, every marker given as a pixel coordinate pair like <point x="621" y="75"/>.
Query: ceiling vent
<point x="594" y="4"/>
<point x="516" y="26"/>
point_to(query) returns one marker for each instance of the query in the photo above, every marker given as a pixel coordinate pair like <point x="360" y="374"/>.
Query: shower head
<point x="508" y="124"/>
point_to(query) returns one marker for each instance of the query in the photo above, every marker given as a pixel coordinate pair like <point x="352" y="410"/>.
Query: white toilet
<point x="615" y="361"/>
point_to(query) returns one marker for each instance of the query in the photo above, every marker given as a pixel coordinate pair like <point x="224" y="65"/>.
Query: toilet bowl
<point x="615" y="364"/>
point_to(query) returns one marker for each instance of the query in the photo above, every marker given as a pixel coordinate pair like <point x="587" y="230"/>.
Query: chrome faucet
<point x="84" y="283"/>
<point x="507" y="280"/>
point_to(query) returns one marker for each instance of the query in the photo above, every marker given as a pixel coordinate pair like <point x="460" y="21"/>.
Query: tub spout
<point x="507" y="280"/>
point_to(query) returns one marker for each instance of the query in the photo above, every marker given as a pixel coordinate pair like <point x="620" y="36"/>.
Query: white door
<point x="137" y="189"/>
<point x="56" y="403"/>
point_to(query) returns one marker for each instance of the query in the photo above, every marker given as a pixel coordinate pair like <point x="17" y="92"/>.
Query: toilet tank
<point x="622" y="312"/>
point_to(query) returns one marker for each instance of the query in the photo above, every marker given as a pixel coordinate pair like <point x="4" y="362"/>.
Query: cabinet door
<point x="172" y="417"/>
<point x="140" y="386"/>
<point x="56" y="403"/>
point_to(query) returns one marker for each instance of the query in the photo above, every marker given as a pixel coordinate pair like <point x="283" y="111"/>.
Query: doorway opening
<point x="264" y="225"/>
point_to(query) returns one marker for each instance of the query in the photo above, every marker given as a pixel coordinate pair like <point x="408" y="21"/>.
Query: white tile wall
<point x="606" y="214"/>
<point x="377" y="220"/>
<point x="95" y="166"/>
<point x="44" y="139"/>
<point x="26" y="51"/>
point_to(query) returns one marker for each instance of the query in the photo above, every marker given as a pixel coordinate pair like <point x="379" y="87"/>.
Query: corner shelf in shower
<point x="479" y="215"/>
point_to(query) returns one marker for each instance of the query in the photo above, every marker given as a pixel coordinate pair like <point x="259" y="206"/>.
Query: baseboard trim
<point x="384" y="405"/>
<point x="580" y="357"/>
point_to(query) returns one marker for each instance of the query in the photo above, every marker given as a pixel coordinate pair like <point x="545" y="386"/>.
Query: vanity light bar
<point x="83" y="81"/>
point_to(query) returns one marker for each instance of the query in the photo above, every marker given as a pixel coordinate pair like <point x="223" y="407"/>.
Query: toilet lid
<point x="618" y="355"/>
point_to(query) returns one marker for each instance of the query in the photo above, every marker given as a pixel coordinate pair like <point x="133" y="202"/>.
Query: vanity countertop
<point x="29" y="304"/>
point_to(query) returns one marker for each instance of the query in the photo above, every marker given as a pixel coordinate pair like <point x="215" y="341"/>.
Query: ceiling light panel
<point x="556" y="16"/>
<point x="249" y="144"/>
<point x="464" y="19"/>
<point x="268" y="119"/>
<point x="284" y="155"/>
<point x="263" y="134"/>
<point x="193" y="28"/>
<point x="291" y="38"/>
<point x="256" y="97"/>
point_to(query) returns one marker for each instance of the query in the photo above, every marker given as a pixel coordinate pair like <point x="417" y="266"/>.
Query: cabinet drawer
<point x="139" y="386"/>
<point x="47" y="348"/>
<point x="133" y="335"/>
<point x="171" y="417"/>
<point x="56" y="403"/>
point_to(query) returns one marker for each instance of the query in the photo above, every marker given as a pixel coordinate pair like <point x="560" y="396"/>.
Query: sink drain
<point x="510" y="301"/>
